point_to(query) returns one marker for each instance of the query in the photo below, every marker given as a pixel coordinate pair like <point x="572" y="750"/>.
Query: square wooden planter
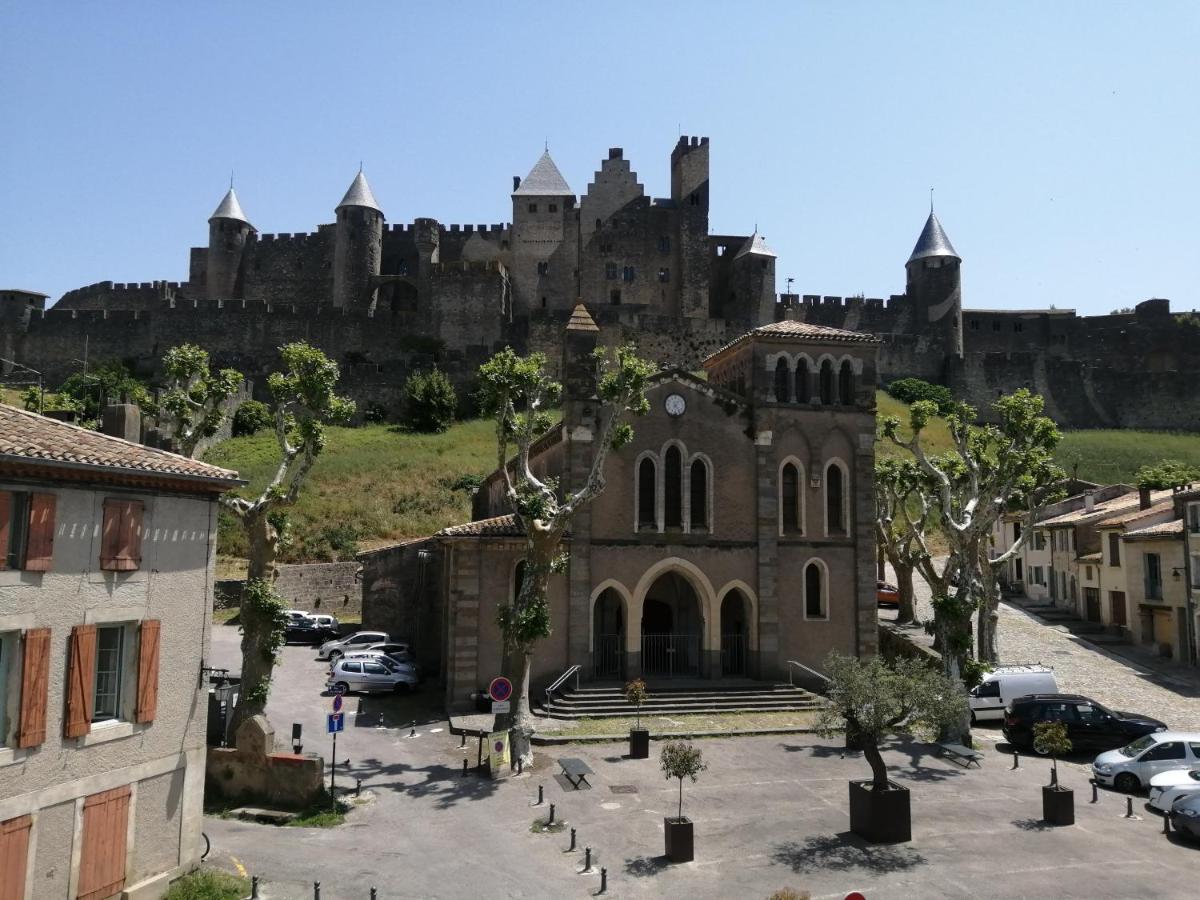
<point x="680" y="846"/>
<point x="882" y="817"/>
<point x="639" y="743"/>
<point x="1058" y="806"/>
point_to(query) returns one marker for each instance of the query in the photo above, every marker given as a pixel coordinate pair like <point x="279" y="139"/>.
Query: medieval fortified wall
<point x="386" y="300"/>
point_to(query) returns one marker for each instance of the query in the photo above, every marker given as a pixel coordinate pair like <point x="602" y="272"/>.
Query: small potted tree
<point x="1058" y="803"/>
<point x="871" y="699"/>
<point x="639" y="737"/>
<point x="680" y="760"/>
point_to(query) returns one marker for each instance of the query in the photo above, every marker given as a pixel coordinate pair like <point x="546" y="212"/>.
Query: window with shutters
<point x="9" y="675"/>
<point x="34" y="674"/>
<point x="14" y="857"/>
<point x="109" y="675"/>
<point x="26" y="530"/>
<point x="102" y="855"/>
<point x="121" y="538"/>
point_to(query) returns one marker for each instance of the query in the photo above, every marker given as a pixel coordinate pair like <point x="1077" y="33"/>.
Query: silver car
<point x="360" y="640"/>
<point x="370" y="676"/>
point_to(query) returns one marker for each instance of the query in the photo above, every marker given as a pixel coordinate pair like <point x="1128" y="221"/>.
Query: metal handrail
<point x="792" y="662"/>
<point x="572" y="670"/>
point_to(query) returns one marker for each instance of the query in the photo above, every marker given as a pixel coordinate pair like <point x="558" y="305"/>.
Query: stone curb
<point x="546" y="740"/>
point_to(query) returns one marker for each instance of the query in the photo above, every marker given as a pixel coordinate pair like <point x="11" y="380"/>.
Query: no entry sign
<point x="500" y="689"/>
<point x="337" y="703"/>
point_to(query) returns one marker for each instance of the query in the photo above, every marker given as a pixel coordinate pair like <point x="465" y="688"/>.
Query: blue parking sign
<point x="334" y="722"/>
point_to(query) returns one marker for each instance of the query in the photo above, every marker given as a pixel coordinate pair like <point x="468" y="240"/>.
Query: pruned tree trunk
<point x="879" y="775"/>
<point x="904" y="583"/>
<point x="258" y="659"/>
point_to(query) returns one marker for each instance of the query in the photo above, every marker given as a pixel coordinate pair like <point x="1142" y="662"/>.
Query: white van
<point x="1004" y="684"/>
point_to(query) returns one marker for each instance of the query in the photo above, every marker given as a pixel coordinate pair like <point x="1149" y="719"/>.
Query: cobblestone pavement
<point x="1084" y="668"/>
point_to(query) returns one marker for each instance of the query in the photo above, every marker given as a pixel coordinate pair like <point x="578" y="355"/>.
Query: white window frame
<point x="126" y="679"/>
<point x="10" y="680"/>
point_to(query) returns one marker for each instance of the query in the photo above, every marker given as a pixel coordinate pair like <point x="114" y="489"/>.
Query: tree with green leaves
<point x="303" y="403"/>
<point x="870" y="699"/>
<point x="196" y="401"/>
<point x="635" y="694"/>
<point x="992" y="468"/>
<point x="1166" y="475"/>
<point x="430" y="402"/>
<point x="681" y="760"/>
<point x="1051" y="739"/>
<point x="108" y="382"/>
<point x="902" y="517"/>
<point x="516" y="392"/>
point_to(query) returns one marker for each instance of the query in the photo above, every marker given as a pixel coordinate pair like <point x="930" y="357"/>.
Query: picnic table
<point x="962" y="755"/>
<point x="575" y="771"/>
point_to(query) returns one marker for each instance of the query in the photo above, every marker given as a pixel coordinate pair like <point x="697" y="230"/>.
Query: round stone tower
<point x="357" y="247"/>
<point x="935" y="288"/>
<point x="228" y="231"/>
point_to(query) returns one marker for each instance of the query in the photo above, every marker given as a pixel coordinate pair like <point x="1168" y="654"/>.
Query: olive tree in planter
<point x="680" y="760"/>
<point x="871" y="699"/>
<point x="1058" y="803"/>
<point x="639" y="737"/>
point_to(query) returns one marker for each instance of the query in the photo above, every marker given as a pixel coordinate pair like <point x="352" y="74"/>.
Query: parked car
<point x="360" y="640"/>
<point x="1167" y="787"/>
<point x="1004" y="684"/>
<point x="300" y="626"/>
<point x="398" y="652"/>
<point x="1185" y="816"/>
<point x="1131" y="767"/>
<point x="327" y="627"/>
<point x="1090" y="725"/>
<point x="887" y="594"/>
<point x="371" y="676"/>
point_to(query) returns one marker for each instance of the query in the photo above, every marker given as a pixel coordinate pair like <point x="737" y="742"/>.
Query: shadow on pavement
<point x="844" y="852"/>
<point x="1033" y="825"/>
<point x="444" y="783"/>
<point x="642" y="866"/>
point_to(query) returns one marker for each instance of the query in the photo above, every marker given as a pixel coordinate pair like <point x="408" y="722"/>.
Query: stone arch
<point x="803" y="378"/>
<point x="670" y="503"/>
<point x="608" y="608"/>
<point x="699" y="582"/>
<point x="830" y="503"/>
<point x="708" y="522"/>
<point x="750" y="598"/>
<point x="800" y="499"/>
<point x="822" y="586"/>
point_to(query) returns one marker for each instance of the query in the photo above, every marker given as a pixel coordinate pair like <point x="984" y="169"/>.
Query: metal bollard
<point x="1095" y="792"/>
<point x="603" y="880"/>
<point x="316" y="890"/>
<point x="463" y="742"/>
<point x="1129" y="807"/>
<point x="541" y="799"/>
<point x="1016" y="760"/>
<point x="357" y="787"/>
<point x="373" y="894"/>
<point x="550" y="821"/>
<point x="1166" y="823"/>
<point x="253" y="887"/>
<point x="464" y="768"/>
<point x="587" y="859"/>
<point x="520" y="766"/>
<point x="571" y="849"/>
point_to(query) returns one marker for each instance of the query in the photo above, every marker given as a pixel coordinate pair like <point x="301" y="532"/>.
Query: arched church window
<point x="846" y="384"/>
<point x="645" y="494"/>
<point x="815" y="606"/>
<point x="699" y="495"/>
<point x="803" y="385"/>
<point x="826" y="385"/>
<point x="673" y="488"/>
<point x="783" y="378"/>
<point x="835" y="499"/>
<point x="789" y="499"/>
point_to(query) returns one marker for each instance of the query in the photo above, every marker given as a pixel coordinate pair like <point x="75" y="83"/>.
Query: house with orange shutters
<point x="107" y="553"/>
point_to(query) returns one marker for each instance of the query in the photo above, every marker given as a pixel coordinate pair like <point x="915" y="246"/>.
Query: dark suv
<point x="1090" y="726"/>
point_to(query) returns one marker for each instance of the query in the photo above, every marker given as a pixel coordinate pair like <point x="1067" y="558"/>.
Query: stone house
<point x="107" y="553"/>
<point x="735" y="532"/>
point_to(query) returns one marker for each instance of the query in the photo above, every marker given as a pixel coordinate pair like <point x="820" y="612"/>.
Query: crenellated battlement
<point x="463" y="267"/>
<point x="486" y="231"/>
<point x="686" y="145"/>
<point x="116" y="287"/>
<point x="289" y="237"/>
<point x="812" y="301"/>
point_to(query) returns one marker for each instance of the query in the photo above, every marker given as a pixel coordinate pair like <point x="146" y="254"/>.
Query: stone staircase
<point x="681" y="698"/>
<point x="1092" y="632"/>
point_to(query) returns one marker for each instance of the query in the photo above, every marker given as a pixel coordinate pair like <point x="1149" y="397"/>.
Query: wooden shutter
<point x="14" y="857"/>
<point x="102" y="857"/>
<point x="147" y="683"/>
<point x="39" y="549"/>
<point x="121" y="539"/>
<point x="81" y="681"/>
<point x="5" y="517"/>
<point x="35" y="679"/>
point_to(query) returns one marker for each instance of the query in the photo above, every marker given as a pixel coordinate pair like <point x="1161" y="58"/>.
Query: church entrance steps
<point x="695" y="697"/>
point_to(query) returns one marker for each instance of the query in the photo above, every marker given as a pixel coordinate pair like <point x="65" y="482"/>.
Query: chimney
<point x="1089" y="501"/>
<point x="516" y="182"/>
<point x="1143" y="498"/>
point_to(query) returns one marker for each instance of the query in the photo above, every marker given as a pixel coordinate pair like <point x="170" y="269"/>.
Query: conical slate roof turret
<point x="933" y="241"/>
<point x="544" y="180"/>
<point x="229" y="208"/>
<point x="755" y="246"/>
<point x="360" y="194"/>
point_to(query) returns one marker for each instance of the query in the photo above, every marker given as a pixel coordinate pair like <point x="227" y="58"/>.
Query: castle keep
<point x="386" y="299"/>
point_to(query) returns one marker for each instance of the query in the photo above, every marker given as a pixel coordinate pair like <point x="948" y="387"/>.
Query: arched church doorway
<point x="672" y="628"/>
<point x="735" y="633"/>
<point x="608" y="635"/>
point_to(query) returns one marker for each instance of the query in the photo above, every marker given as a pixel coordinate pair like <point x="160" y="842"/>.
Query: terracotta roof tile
<point x="1162" y="529"/>
<point x="26" y="437"/>
<point x="1155" y="508"/>
<point x="790" y="328"/>
<point x="499" y="526"/>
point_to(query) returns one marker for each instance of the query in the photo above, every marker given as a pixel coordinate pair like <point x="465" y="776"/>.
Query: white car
<point x="360" y="640"/>
<point x="370" y="676"/>
<point x="1004" y="684"/>
<point x="1131" y="767"/>
<point x="1168" y="787"/>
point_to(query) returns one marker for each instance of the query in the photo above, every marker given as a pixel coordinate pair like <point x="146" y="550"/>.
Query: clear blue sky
<point x="1062" y="137"/>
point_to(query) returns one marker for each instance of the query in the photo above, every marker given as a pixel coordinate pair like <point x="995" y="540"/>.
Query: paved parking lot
<point x="770" y="812"/>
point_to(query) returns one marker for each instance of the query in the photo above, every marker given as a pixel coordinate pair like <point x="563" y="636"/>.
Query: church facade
<point x="735" y="532"/>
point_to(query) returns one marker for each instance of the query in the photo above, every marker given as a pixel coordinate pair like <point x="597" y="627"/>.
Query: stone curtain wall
<point x="332" y="588"/>
<point x="401" y="591"/>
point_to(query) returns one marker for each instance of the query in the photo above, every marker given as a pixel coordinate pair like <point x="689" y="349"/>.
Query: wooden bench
<point x="962" y="755"/>
<point x="575" y="771"/>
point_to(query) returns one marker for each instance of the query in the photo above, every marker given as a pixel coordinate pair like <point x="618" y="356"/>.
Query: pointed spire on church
<point x="756" y="245"/>
<point x="229" y="208"/>
<point x="359" y="193"/>
<point x="933" y="240"/>
<point x="544" y="180"/>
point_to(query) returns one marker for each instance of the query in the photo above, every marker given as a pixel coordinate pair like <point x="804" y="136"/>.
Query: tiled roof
<point x="790" y="328"/>
<point x="26" y="437"/>
<point x="933" y="241"/>
<point x="1091" y="557"/>
<point x="1105" y="510"/>
<point x="1155" y="508"/>
<point x="229" y="208"/>
<point x="544" y="180"/>
<point x="499" y="526"/>
<point x="359" y="194"/>
<point x="755" y="246"/>
<point x="1161" y="530"/>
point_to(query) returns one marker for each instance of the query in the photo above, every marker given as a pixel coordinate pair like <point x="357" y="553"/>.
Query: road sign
<point x="337" y="703"/>
<point x="500" y="689"/>
<point x="335" y="722"/>
<point x="338" y="689"/>
<point x="501" y="706"/>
